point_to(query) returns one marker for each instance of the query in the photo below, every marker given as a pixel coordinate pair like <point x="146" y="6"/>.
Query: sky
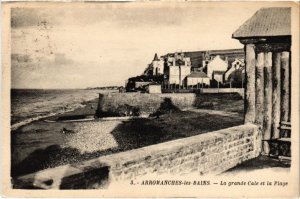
<point x="104" y="44"/>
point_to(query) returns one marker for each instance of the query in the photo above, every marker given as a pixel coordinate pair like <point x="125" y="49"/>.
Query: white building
<point x="196" y="78"/>
<point x="218" y="76"/>
<point x="154" y="88"/>
<point x="179" y="68"/>
<point x="217" y="64"/>
<point x="235" y="65"/>
<point x="157" y="65"/>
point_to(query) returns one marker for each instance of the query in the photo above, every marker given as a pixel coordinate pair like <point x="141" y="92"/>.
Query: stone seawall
<point x="210" y="153"/>
<point x="144" y="102"/>
<point x="240" y="91"/>
<point x="119" y="104"/>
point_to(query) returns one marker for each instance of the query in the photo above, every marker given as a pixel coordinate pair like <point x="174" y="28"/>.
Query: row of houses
<point x="214" y="68"/>
<point x="177" y="69"/>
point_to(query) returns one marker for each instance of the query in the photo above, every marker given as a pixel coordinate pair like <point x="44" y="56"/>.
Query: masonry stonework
<point x="210" y="153"/>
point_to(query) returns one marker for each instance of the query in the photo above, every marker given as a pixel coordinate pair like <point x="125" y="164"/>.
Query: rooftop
<point x="198" y="56"/>
<point x="197" y="74"/>
<point x="219" y="72"/>
<point x="274" y="21"/>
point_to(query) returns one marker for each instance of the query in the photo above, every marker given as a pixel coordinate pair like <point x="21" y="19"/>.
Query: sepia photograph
<point x="150" y="99"/>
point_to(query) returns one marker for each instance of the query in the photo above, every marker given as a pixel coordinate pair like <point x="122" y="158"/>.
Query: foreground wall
<point x="210" y="153"/>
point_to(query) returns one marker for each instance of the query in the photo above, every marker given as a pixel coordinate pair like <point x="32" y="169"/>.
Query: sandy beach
<point x="43" y="144"/>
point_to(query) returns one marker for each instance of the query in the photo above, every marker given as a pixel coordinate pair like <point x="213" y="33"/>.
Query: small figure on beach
<point x="67" y="131"/>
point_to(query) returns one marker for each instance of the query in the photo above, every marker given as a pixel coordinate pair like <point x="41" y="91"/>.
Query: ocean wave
<point x="29" y="108"/>
<point x="49" y="114"/>
<point x="32" y="105"/>
<point x="32" y="119"/>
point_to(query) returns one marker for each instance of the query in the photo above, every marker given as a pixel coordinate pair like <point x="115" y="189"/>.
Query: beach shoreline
<point x="79" y="110"/>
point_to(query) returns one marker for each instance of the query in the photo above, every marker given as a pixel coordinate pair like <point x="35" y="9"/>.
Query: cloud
<point x="25" y="17"/>
<point x="47" y="65"/>
<point x="123" y="15"/>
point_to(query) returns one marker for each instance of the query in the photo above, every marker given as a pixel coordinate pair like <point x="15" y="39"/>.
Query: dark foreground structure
<point x="267" y="40"/>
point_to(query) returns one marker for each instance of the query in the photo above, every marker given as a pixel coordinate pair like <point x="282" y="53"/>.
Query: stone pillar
<point x="259" y="97"/>
<point x="276" y="96"/>
<point x="285" y="92"/>
<point x="250" y="86"/>
<point x="267" y="102"/>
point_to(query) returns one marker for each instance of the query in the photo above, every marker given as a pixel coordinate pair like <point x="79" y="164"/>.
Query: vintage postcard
<point x="150" y="99"/>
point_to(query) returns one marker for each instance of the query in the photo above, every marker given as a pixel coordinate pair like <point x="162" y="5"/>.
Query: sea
<point x="28" y="105"/>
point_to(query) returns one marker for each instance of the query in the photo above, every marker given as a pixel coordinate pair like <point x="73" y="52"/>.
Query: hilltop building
<point x="178" y="68"/>
<point x="139" y="83"/>
<point x="216" y="64"/>
<point x="156" y="67"/>
<point x="200" y="59"/>
<point x="237" y="64"/>
<point x="237" y="78"/>
<point x="197" y="78"/>
<point x="186" y="69"/>
<point x="218" y="76"/>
